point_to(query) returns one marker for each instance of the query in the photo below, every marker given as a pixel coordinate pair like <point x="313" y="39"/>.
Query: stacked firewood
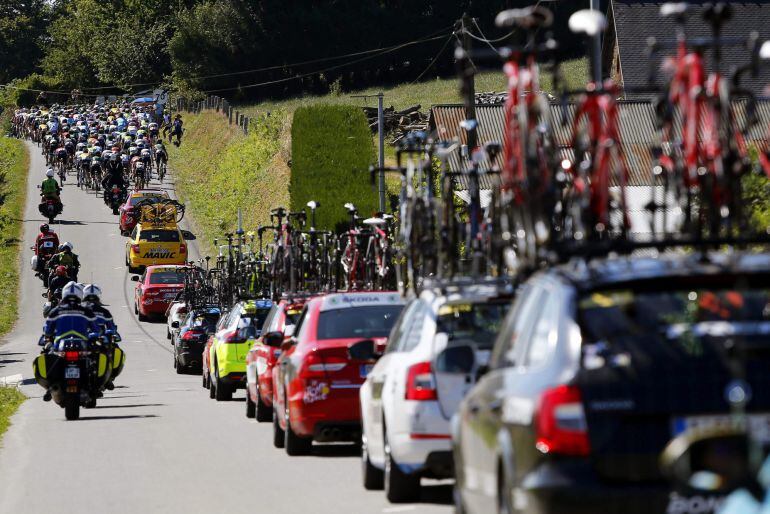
<point x="398" y="123"/>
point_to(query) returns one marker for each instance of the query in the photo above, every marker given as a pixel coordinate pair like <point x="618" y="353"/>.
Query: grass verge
<point x="10" y="399"/>
<point x="14" y="163"/>
<point x="218" y="169"/>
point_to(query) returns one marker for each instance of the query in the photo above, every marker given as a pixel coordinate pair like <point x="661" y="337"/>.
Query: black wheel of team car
<point x="278" y="436"/>
<point x="263" y="412"/>
<point x="294" y="444"/>
<point x="180" y="369"/>
<point x="223" y="392"/>
<point x="373" y="478"/>
<point x="71" y="408"/>
<point x="203" y="380"/>
<point x="400" y="487"/>
<point x="251" y="407"/>
<point x="211" y="386"/>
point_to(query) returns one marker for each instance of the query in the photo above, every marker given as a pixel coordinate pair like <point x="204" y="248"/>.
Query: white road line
<point x="405" y="508"/>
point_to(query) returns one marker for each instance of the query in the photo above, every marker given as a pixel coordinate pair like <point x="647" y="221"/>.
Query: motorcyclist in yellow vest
<point x="66" y="258"/>
<point x="50" y="188"/>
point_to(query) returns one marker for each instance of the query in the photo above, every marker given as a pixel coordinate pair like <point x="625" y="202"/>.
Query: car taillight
<point x="71" y="356"/>
<point x="182" y="248"/>
<point x="560" y="422"/>
<point x="135" y="248"/>
<point x="316" y="366"/>
<point x="420" y="384"/>
<point x="191" y="335"/>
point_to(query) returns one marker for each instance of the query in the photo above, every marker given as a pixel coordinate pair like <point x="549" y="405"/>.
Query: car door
<point x="281" y="371"/>
<point x="476" y="440"/>
<point x="371" y="390"/>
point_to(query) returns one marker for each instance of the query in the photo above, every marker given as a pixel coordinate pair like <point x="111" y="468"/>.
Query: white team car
<point x="414" y="388"/>
<point x="177" y="311"/>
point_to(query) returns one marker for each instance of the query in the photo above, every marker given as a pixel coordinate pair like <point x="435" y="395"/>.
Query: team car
<point x="316" y="382"/>
<point x="190" y="338"/>
<point x="151" y="244"/>
<point x="129" y="216"/>
<point x="157" y="287"/>
<point x="408" y="399"/>
<point x="263" y="355"/>
<point x="224" y="357"/>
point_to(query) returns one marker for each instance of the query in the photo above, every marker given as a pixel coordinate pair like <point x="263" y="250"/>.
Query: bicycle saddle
<point x="374" y="221"/>
<point x="764" y="51"/>
<point x="351" y="208"/>
<point x="528" y="18"/>
<point x="674" y="9"/>
<point x="313" y="204"/>
<point x="718" y="13"/>
<point x="588" y="22"/>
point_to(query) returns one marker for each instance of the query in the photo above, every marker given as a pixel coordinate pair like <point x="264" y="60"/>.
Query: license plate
<point x="759" y="424"/>
<point x="72" y="373"/>
<point x="366" y="369"/>
<point x="169" y="296"/>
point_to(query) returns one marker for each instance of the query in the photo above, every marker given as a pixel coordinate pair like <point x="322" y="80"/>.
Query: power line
<point x="434" y="59"/>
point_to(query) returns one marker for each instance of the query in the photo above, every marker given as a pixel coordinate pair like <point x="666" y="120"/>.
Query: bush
<point x="331" y="152"/>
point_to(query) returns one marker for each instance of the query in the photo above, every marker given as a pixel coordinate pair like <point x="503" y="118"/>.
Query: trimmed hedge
<point x="331" y="152"/>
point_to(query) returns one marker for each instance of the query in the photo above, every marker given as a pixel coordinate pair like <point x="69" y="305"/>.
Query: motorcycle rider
<point x="68" y="318"/>
<point x="50" y="188"/>
<point x="66" y="257"/>
<point x="92" y="299"/>
<point x="46" y="244"/>
<point x="113" y="176"/>
<point x="57" y="282"/>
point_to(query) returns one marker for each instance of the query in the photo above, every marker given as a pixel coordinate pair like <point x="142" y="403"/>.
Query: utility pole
<point x="597" y="48"/>
<point x="470" y="83"/>
<point x="381" y="147"/>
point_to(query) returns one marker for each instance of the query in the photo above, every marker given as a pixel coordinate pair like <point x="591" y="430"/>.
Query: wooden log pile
<point x="398" y="123"/>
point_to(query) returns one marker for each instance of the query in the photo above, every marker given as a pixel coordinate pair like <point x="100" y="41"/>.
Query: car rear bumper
<point x="190" y="356"/>
<point x="320" y="406"/>
<point x="156" y="307"/>
<point x="429" y="454"/>
<point x="235" y="379"/>
<point x="331" y="431"/>
<point x="574" y="488"/>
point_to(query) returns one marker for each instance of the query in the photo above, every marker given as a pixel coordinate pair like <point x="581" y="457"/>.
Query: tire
<point x="278" y="435"/>
<point x="212" y="387"/>
<point x="373" y="478"/>
<point x="90" y="404"/>
<point x="180" y="370"/>
<point x="223" y="392"/>
<point x="400" y="487"/>
<point x="168" y="333"/>
<point x="71" y="408"/>
<point x="251" y="407"/>
<point x="296" y="445"/>
<point x="141" y="316"/>
<point x="263" y="412"/>
<point x="204" y="385"/>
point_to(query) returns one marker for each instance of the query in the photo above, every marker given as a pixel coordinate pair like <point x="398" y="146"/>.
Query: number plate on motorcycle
<point x="759" y="424"/>
<point x="72" y="373"/>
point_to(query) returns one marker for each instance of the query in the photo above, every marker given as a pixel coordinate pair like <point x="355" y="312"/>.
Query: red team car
<point x="129" y="217"/>
<point x="156" y="289"/>
<point x="279" y="325"/>
<point x="316" y="381"/>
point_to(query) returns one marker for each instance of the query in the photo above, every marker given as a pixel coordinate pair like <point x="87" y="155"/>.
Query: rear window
<point x="363" y="322"/>
<point x="206" y="322"/>
<point x="475" y="323"/>
<point x="691" y="322"/>
<point x="167" y="277"/>
<point x="136" y="199"/>
<point x="256" y="320"/>
<point x="159" y="236"/>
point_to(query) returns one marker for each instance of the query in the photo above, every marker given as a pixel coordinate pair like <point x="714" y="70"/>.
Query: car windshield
<point x="167" y="277"/>
<point x="159" y="236"/>
<point x="136" y="199"/>
<point x="357" y="322"/>
<point x="477" y="323"/>
<point x="692" y="322"/>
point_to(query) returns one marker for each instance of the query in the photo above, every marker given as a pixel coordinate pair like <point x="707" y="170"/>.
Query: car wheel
<point x="296" y="445"/>
<point x="223" y="392"/>
<point x="278" y="437"/>
<point x="212" y="387"/>
<point x="251" y="407"/>
<point x="168" y="333"/>
<point x="400" y="487"/>
<point x="204" y="384"/>
<point x="374" y="478"/>
<point x="503" y="497"/>
<point x="263" y="411"/>
<point x="180" y="370"/>
<point x="457" y="497"/>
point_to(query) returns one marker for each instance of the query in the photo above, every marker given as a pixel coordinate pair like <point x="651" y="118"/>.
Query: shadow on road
<point x="129" y="416"/>
<point x="336" y="450"/>
<point x="129" y="406"/>
<point x="440" y="494"/>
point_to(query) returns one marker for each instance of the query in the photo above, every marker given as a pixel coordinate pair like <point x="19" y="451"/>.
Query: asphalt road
<point x="157" y="443"/>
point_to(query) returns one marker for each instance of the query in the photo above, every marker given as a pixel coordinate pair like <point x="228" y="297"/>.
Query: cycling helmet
<point x="72" y="290"/>
<point x="92" y="292"/>
<point x="140" y="165"/>
<point x="49" y="173"/>
<point x="114" y="157"/>
<point x="60" y="271"/>
<point x="44" y="228"/>
<point x="66" y="246"/>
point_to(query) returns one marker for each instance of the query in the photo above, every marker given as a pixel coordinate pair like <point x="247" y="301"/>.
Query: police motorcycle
<point x="74" y="370"/>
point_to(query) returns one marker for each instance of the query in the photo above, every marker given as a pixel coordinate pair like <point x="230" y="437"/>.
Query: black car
<point x="597" y="367"/>
<point x="191" y="338"/>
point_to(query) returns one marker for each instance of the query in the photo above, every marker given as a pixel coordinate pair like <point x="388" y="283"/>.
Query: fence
<point x="218" y="104"/>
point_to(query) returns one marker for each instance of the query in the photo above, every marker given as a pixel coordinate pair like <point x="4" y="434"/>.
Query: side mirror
<point x="459" y="359"/>
<point x="363" y="350"/>
<point x="134" y="278"/>
<point x="188" y="236"/>
<point x="174" y="324"/>
<point x="273" y="339"/>
<point x="288" y="343"/>
<point x="712" y="460"/>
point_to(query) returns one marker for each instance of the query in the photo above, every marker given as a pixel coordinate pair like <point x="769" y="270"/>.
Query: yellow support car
<point x="150" y="244"/>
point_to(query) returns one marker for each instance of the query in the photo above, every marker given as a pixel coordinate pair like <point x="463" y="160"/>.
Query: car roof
<point x="159" y="226"/>
<point x="613" y="272"/>
<point x="475" y="292"/>
<point x="160" y="267"/>
<point x="357" y="299"/>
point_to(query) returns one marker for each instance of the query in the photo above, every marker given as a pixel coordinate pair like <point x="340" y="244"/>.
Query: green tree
<point x="22" y="27"/>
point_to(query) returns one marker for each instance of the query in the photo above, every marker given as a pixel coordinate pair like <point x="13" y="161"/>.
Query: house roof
<point x="634" y="21"/>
